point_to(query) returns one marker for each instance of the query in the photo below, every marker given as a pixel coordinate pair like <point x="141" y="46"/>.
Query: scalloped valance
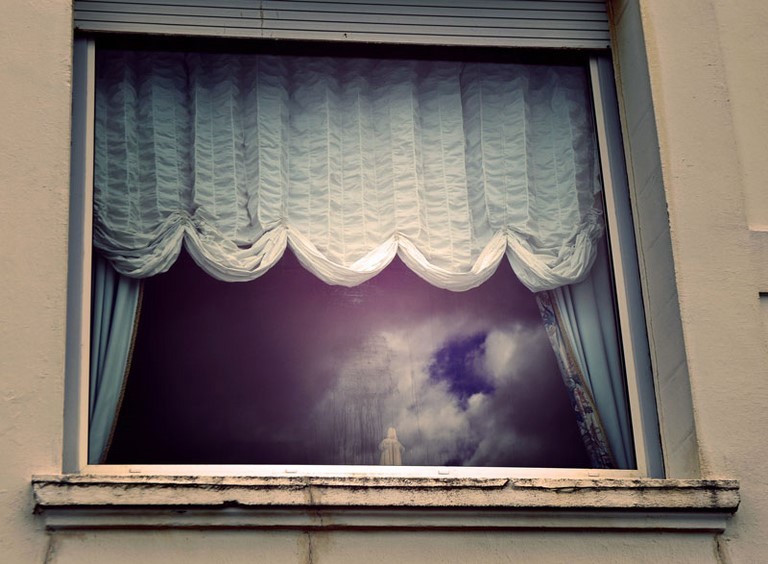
<point x="451" y="165"/>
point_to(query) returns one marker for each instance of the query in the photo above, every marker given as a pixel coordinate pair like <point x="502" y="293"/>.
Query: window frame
<point x="622" y="251"/>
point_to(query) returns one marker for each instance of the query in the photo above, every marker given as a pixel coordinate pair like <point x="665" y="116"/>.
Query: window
<point x="465" y="347"/>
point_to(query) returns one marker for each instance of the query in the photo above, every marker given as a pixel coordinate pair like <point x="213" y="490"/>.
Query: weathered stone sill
<point x="89" y="502"/>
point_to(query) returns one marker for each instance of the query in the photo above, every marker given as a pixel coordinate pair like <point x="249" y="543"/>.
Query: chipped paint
<point x="348" y="503"/>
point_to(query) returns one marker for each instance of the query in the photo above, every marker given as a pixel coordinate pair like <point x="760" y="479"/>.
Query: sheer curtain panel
<point x="451" y="165"/>
<point x="116" y="304"/>
<point x="580" y="322"/>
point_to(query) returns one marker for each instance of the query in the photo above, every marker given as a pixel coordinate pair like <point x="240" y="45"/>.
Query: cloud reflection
<point x="298" y="372"/>
<point x="449" y="386"/>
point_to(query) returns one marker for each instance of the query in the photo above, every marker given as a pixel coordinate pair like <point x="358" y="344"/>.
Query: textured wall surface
<point x="443" y="547"/>
<point x="707" y="62"/>
<point x="34" y="196"/>
<point x="741" y="25"/>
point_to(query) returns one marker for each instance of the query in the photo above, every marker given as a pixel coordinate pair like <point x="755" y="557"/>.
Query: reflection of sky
<point x="460" y="363"/>
<point x="289" y="370"/>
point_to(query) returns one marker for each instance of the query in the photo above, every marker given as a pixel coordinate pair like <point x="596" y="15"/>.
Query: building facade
<point x="691" y="78"/>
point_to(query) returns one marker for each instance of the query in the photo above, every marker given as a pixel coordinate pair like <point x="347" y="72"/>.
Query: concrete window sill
<point x="94" y="502"/>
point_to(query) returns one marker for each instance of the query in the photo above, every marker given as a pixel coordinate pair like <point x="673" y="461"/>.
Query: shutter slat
<point x="532" y="23"/>
<point x="96" y="10"/>
<point x="357" y="23"/>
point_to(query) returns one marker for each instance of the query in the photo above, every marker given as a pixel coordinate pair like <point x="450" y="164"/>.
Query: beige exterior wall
<point x="697" y="134"/>
<point x="708" y="64"/>
<point x="34" y="167"/>
<point x="444" y="547"/>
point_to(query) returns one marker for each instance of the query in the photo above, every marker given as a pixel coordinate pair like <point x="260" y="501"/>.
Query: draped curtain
<point x="450" y="165"/>
<point x="580" y="323"/>
<point x="115" y="310"/>
<point x="350" y="161"/>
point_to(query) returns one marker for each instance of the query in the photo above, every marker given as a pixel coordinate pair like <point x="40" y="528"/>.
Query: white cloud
<point x="508" y="351"/>
<point x="429" y="419"/>
<point x="500" y="350"/>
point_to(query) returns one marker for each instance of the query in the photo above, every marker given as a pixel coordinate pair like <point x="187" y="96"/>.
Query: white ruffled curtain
<point x="349" y="161"/>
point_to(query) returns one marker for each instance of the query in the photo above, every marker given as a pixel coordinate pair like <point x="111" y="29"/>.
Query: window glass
<point x="286" y="369"/>
<point x="286" y="336"/>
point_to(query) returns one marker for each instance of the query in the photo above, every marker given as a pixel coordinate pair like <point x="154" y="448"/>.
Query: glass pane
<point x="288" y="370"/>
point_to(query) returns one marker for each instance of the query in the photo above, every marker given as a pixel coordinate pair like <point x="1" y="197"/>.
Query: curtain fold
<point x="115" y="310"/>
<point x="451" y="165"/>
<point x="580" y="323"/>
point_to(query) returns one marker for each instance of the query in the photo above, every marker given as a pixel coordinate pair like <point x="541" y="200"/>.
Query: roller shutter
<point x="581" y="24"/>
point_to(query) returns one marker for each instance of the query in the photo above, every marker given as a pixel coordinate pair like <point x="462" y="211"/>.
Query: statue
<point x="391" y="449"/>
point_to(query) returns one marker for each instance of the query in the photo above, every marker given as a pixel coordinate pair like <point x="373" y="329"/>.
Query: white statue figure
<point x="391" y="449"/>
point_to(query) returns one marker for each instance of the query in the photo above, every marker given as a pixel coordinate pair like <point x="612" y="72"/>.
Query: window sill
<point x="95" y="502"/>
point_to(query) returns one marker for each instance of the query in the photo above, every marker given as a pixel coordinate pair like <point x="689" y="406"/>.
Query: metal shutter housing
<point x="581" y="24"/>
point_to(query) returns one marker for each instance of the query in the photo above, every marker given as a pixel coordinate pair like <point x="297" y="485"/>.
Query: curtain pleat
<point x="580" y="323"/>
<point x="349" y="161"/>
<point x="115" y="310"/>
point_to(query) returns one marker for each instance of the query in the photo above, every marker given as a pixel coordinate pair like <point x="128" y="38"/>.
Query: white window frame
<point x="642" y="401"/>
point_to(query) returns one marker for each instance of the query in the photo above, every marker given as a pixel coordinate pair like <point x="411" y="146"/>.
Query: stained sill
<point x="97" y="502"/>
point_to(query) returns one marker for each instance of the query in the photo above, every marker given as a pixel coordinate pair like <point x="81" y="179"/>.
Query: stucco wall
<point x="445" y="547"/>
<point x="708" y="73"/>
<point x="742" y="28"/>
<point x="34" y="172"/>
<point x="707" y="60"/>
